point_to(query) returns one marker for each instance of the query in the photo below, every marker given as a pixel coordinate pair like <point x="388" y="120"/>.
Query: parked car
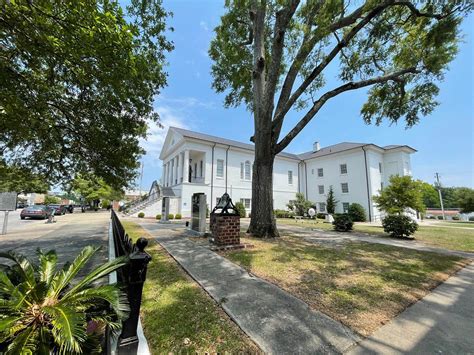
<point x="58" y="209"/>
<point x="36" y="211"/>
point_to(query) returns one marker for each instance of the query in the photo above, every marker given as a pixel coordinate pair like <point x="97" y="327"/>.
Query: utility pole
<point x="438" y="184"/>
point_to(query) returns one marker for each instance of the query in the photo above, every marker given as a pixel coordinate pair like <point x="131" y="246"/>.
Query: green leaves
<point x="77" y="85"/>
<point x="402" y="193"/>
<point x="40" y="311"/>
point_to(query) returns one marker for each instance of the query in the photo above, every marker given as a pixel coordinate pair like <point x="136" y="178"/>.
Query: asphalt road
<point x="68" y="236"/>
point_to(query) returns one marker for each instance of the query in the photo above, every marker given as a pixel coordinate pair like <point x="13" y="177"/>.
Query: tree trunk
<point x="262" y="222"/>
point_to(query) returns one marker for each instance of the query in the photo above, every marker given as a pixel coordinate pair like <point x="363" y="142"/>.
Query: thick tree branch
<point x="283" y="18"/>
<point x="286" y="101"/>
<point x="330" y="94"/>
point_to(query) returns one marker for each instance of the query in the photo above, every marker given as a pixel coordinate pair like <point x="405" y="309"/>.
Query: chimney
<point x="316" y="147"/>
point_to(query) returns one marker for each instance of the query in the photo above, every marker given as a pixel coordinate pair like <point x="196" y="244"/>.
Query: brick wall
<point x="225" y="229"/>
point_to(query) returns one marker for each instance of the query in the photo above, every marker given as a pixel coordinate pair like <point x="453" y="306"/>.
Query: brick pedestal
<point x="225" y="229"/>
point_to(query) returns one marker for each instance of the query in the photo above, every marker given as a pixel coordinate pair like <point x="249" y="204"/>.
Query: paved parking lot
<point x="67" y="236"/>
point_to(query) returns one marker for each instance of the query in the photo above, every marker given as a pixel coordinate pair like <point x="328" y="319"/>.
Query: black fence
<point x="132" y="276"/>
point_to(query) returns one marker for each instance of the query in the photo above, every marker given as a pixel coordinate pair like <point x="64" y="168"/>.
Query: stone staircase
<point x="141" y="205"/>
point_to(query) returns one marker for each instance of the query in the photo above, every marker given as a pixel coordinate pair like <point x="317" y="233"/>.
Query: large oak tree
<point x="272" y="55"/>
<point x="77" y="85"/>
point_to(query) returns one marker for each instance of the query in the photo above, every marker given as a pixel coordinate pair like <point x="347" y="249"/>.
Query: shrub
<point x="471" y="219"/>
<point x="105" y="203"/>
<point x="240" y="208"/>
<point x="158" y="216"/>
<point x="440" y="217"/>
<point x="399" y="226"/>
<point x="47" y="309"/>
<point x="178" y="216"/>
<point x="321" y="215"/>
<point x="456" y="218"/>
<point x="357" y="212"/>
<point x="342" y="222"/>
<point x="171" y="216"/>
<point x="141" y="215"/>
<point x="281" y="214"/>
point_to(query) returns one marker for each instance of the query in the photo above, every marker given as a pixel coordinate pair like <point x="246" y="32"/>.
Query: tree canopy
<point x="77" y="85"/>
<point x="93" y="188"/>
<point x="402" y="193"/>
<point x="21" y="180"/>
<point x="273" y="56"/>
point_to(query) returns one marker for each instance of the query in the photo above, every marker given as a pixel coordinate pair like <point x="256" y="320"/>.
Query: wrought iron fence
<point x="132" y="276"/>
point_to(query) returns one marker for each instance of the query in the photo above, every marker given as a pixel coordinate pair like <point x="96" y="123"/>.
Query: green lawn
<point x="361" y="285"/>
<point x="437" y="236"/>
<point x="463" y="224"/>
<point x="178" y="316"/>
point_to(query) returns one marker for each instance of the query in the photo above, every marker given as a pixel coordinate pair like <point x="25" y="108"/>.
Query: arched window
<point x="247" y="170"/>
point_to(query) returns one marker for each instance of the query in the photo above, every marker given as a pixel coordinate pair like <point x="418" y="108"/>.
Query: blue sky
<point x="444" y="139"/>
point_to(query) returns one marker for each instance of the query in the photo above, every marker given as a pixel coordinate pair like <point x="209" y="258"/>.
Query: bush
<point x="281" y="214"/>
<point x="456" y="218"/>
<point x="399" y="226"/>
<point x="171" y="216"/>
<point x="141" y="215"/>
<point x="440" y="217"/>
<point x="342" y="223"/>
<point x="158" y="216"/>
<point x="105" y="203"/>
<point x="357" y="212"/>
<point x="178" y="216"/>
<point x="471" y="219"/>
<point x="321" y="215"/>
<point x="240" y="208"/>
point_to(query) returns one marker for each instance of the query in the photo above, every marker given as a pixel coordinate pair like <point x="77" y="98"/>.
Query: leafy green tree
<point x="77" y="85"/>
<point x="92" y="188"/>
<point x="403" y="192"/>
<point x="331" y="201"/>
<point x="51" y="200"/>
<point x="430" y="195"/>
<point x="21" y="180"/>
<point x="44" y="312"/>
<point x="466" y="201"/>
<point x="271" y="56"/>
<point x="357" y="212"/>
<point x="300" y="206"/>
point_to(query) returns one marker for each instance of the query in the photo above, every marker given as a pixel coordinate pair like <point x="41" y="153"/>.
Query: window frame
<point x="342" y="187"/>
<point x="340" y="168"/>
<point x="319" y="189"/>
<point x="325" y="207"/>
<point x="247" y="170"/>
<point x="244" y="202"/>
<point x="217" y="168"/>
<point x="322" y="172"/>
<point x="345" y="210"/>
<point x="290" y="177"/>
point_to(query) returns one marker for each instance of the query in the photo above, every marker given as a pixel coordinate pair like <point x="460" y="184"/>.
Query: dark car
<point x="37" y="211"/>
<point x="58" y="209"/>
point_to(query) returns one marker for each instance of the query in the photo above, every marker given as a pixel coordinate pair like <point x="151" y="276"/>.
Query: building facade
<point x="199" y="163"/>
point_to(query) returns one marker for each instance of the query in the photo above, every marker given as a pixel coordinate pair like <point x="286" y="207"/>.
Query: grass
<point x="361" y="285"/>
<point x="463" y="224"/>
<point x="433" y="235"/>
<point x="177" y="315"/>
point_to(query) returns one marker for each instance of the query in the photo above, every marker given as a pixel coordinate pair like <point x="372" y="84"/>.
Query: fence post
<point x="139" y="259"/>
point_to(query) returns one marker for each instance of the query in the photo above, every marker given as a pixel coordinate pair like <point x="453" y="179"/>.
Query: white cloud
<point x="203" y="25"/>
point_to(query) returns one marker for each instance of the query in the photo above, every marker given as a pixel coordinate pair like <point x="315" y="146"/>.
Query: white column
<point x="172" y="162"/>
<point x="178" y="168"/>
<point x="169" y="174"/>
<point x="163" y="175"/>
<point x="186" y="166"/>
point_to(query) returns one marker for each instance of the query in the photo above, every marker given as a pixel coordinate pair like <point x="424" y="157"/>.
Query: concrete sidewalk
<point x="278" y="322"/>
<point x="440" y="323"/>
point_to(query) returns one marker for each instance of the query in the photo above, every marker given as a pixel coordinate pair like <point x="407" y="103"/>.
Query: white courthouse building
<point x="200" y="163"/>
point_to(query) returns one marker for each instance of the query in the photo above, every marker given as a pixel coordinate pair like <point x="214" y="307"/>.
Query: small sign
<point x="8" y="201"/>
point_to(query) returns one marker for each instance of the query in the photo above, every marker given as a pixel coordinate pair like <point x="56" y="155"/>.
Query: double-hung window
<point x="320" y="172"/>
<point x="290" y="177"/>
<point x="345" y="207"/>
<point x="220" y="168"/>
<point x="343" y="168"/>
<point x="321" y="189"/>
<point x="245" y="202"/>
<point x="322" y="207"/>
<point x="345" y="188"/>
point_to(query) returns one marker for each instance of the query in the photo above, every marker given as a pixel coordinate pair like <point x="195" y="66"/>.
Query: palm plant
<point x="44" y="310"/>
